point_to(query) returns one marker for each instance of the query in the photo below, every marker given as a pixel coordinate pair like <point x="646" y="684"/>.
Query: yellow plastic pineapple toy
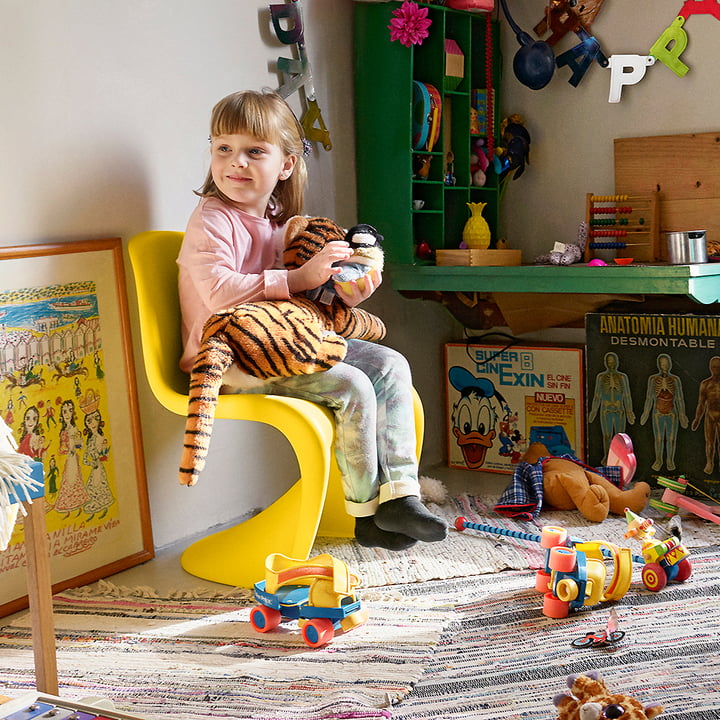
<point x="476" y="233"/>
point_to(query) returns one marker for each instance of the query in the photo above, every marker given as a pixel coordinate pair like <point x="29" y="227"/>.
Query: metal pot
<point x="686" y="247"/>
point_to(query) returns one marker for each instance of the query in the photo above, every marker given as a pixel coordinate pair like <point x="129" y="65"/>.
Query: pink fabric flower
<point x="410" y="24"/>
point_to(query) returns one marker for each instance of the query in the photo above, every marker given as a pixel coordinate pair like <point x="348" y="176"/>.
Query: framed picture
<point x="68" y="392"/>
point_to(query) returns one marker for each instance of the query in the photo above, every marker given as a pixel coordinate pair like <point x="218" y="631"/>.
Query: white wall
<point x="104" y="133"/>
<point x="572" y="129"/>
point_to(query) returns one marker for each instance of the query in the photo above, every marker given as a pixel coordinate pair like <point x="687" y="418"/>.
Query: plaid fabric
<point x="522" y="498"/>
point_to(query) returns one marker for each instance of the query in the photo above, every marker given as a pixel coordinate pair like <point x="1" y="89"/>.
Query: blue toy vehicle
<point x="318" y="593"/>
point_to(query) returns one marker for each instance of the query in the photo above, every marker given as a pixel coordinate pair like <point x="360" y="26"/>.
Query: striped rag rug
<point x="472" y="553"/>
<point x="500" y="658"/>
<point x="194" y="658"/>
<point x="455" y="631"/>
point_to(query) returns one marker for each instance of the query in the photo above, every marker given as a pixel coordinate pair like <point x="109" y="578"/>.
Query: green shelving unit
<point x="386" y="161"/>
<point x="387" y="183"/>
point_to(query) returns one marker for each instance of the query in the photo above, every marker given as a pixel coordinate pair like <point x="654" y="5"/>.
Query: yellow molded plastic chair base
<point x="314" y="505"/>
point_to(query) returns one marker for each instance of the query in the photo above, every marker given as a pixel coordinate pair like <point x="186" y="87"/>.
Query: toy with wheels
<point x="318" y="593"/>
<point x="665" y="560"/>
<point x="574" y="574"/>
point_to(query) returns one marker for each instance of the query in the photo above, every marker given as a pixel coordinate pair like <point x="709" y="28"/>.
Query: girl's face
<point x="246" y="170"/>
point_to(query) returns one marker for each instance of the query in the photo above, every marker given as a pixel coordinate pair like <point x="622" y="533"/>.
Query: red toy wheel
<point x="542" y="581"/>
<point x="654" y="577"/>
<point x="554" y="607"/>
<point x="552" y="536"/>
<point x="562" y="559"/>
<point x="684" y="570"/>
<point x="264" y="619"/>
<point x="318" y="631"/>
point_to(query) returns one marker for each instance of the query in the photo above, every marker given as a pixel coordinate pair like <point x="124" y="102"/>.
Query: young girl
<point x="232" y="253"/>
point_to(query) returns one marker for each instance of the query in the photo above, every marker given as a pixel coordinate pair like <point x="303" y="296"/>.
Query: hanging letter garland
<point x="296" y="73"/>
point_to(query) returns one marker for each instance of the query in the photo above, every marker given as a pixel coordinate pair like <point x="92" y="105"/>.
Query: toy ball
<point x="596" y="262"/>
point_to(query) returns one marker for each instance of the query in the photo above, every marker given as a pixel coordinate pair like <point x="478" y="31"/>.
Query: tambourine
<point x="426" y="112"/>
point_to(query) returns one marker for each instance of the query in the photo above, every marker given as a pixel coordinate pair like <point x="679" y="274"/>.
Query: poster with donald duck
<point x="501" y="398"/>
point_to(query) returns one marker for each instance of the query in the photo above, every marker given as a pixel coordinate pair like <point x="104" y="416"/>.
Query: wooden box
<point x="477" y="258"/>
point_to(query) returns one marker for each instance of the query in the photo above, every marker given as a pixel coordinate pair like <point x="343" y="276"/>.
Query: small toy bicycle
<point x="318" y="593"/>
<point x="604" y="638"/>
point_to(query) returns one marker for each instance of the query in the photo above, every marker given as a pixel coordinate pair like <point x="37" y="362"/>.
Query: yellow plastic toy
<point x="314" y="505"/>
<point x="319" y="593"/>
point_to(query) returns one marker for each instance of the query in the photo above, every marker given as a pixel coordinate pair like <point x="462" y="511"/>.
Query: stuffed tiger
<point x="270" y="338"/>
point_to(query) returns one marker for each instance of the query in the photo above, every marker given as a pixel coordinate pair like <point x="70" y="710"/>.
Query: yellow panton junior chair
<point x="314" y="504"/>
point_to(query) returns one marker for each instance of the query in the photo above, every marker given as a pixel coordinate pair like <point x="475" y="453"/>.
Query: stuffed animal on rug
<point x="566" y="483"/>
<point x="270" y="338"/>
<point x="570" y="484"/>
<point x="590" y="699"/>
<point x="366" y="244"/>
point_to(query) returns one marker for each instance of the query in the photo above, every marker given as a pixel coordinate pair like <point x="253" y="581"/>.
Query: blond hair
<point x="267" y="117"/>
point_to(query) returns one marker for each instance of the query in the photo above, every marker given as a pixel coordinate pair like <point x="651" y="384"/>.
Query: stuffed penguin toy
<point x="366" y="244"/>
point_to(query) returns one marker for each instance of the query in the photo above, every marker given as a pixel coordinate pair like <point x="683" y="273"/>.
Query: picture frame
<point x="68" y="392"/>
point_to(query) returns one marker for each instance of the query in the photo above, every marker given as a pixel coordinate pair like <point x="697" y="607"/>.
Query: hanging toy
<point x="534" y="62"/>
<point x="564" y="16"/>
<point x="670" y="46"/>
<point x="514" y="150"/>
<point x="635" y="64"/>
<point x="581" y="56"/>
<point x="296" y="73"/>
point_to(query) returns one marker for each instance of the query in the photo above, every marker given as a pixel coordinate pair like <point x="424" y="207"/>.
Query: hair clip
<point x="307" y="147"/>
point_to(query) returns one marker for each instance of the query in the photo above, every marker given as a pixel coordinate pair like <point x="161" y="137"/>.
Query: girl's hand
<point x="359" y="290"/>
<point x="319" y="268"/>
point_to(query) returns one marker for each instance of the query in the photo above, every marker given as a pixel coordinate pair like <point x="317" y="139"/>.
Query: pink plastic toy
<point x="471" y="4"/>
<point x="622" y="455"/>
<point x="674" y="498"/>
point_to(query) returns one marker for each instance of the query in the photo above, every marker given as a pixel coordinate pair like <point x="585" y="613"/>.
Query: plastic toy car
<point x="318" y="593"/>
<point x="576" y="576"/>
<point x="665" y="560"/>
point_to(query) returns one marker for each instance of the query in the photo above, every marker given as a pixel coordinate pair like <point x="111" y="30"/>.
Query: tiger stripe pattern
<point x="270" y="338"/>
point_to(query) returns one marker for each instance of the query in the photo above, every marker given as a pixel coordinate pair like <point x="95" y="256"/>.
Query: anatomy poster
<point x="657" y="379"/>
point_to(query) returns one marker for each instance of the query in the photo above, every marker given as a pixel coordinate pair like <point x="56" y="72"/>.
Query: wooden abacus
<point x="627" y="224"/>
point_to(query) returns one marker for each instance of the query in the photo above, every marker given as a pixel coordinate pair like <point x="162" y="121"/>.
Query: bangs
<point x="247" y="114"/>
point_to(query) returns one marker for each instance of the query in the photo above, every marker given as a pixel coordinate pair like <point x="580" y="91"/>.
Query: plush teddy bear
<point x="570" y="484"/>
<point x="589" y="699"/>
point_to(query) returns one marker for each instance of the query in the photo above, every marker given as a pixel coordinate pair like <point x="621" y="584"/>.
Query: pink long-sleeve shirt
<point x="227" y="257"/>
